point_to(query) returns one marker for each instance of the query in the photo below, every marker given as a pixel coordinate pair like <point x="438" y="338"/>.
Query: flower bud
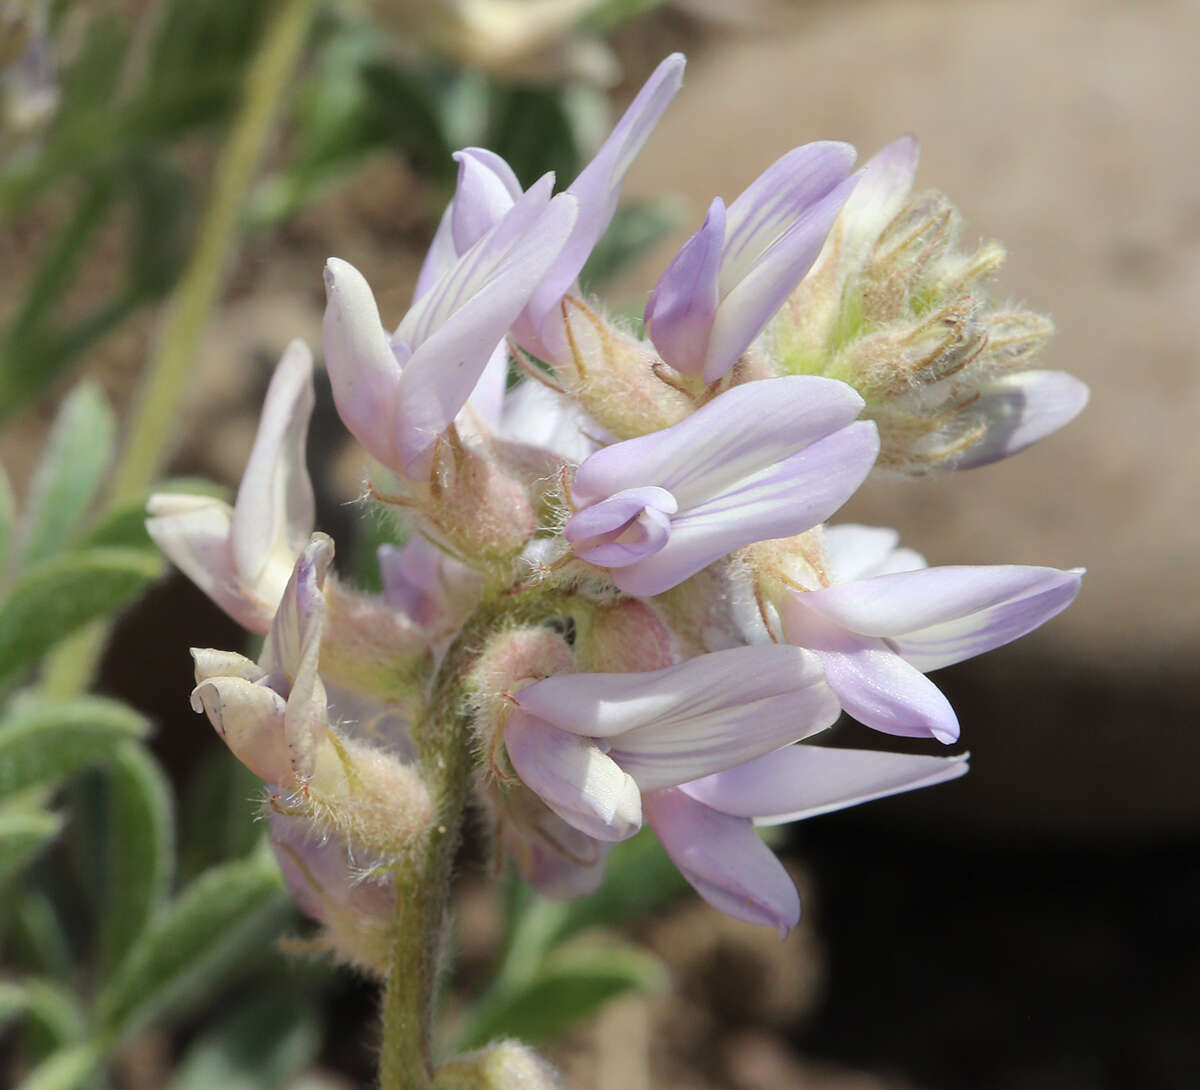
<point x="370" y="647"/>
<point x="558" y="860"/>
<point x="355" y="898"/>
<point x="513" y="659"/>
<point x="505" y="1065"/>
<point x="627" y="635"/>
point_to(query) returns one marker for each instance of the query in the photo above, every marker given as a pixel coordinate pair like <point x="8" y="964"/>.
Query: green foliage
<point x="265" y="1043"/>
<point x="570" y="984"/>
<point x="74" y="464"/>
<point x="141" y="848"/>
<point x="51" y="1014"/>
<point x="24" y="833"/>
<point x="8" y="518"/>
<point x="123" y="526"/>
<point x="43" y="741"/>
<point x="552" y="976"/>
<point x="53" y="598"/>
<point x="64" y="1070"/>
<point x="207" y="933"/>
<point x="219" y="808"/>
<point x="532" y="131"/>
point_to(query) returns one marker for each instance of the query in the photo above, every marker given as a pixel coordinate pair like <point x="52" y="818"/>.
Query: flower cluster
<point x="617" y="571"/>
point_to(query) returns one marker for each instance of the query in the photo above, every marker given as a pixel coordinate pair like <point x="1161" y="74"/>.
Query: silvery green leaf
<point x="57" y="596"/>
<point x="141" y="848"/>
<point x="37" y="934"/>
<point x="573" y="983"/>
<point x="23" y="833"/>
<point x="75" y="462"/>
<point x="213" y="928"/>
<point x="124" y="525"/>
<point x="261" y="1045"/>
<point x="64" y="1070"/>
<point x="220" y="802"/>
<point x="42" y="741"/>
<point x="8" y="515"/>
<point x="51" y="1014"/>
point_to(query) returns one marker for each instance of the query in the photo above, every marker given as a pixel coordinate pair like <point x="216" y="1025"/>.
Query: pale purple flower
<point x="242" y="556"/>
<point x="764" y="460"/>
<point x="707" y="826"/>
<point x="326" y="879"/>
<point x="273" y="714"/>
<point x="589" y="744"/>
<point x="1019" y="410"/>
<point x="398" y="394"/>
<point x="730" y="277"/>
<point x="887" y="620"/>
<point x="423" y="580"/>
<point x="487" y="187"/>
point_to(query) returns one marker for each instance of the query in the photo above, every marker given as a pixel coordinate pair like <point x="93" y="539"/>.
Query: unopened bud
<point x="904" y="357"/>
<point x="355" y="898"/>
<point x="372" y="648"/>
<point x="625" y="636"/>
<point x="506" y="1065"/>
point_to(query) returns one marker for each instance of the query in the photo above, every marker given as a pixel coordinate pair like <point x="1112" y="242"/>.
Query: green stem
<point x="444" y="746"/>
<point x="422" y="893"/>
<point x="155" y="417"/>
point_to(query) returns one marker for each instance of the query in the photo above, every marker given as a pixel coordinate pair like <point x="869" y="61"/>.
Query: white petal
<point x="735" y="435"/>
<point x="877" y="687"/>
<point x="723" y="858"/>
<point x="454" y="328"/>
<point x="574" y="778"/>
<point x="905" y="603"/>
<point x="803" y="781"/>
<point x="194" y="532"/>
<point x="363" y="370"/>
<point x="859" y="552"/>
<point x="275" y="510"/>
<point x="1019" y="410"/>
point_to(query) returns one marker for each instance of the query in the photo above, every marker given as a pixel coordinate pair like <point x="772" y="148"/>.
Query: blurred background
<point x="1029" y="927"/>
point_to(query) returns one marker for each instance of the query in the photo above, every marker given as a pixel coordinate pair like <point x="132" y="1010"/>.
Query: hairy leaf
<point x="572" y="984"/>
<point x="54" y="598"/>
<point x="211" y="929"/>
<point x="64" y="1070"/>
<point x="23" y="833"/>
<point x="74" y="464"/>
<point x="266" y="1043"/>
<point x="42" y="741"/>
<point x="141" y="849"/>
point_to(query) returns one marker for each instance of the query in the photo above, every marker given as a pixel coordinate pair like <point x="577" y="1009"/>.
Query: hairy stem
<point x="443" y="742"/>
<point x="423" y="889"/>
